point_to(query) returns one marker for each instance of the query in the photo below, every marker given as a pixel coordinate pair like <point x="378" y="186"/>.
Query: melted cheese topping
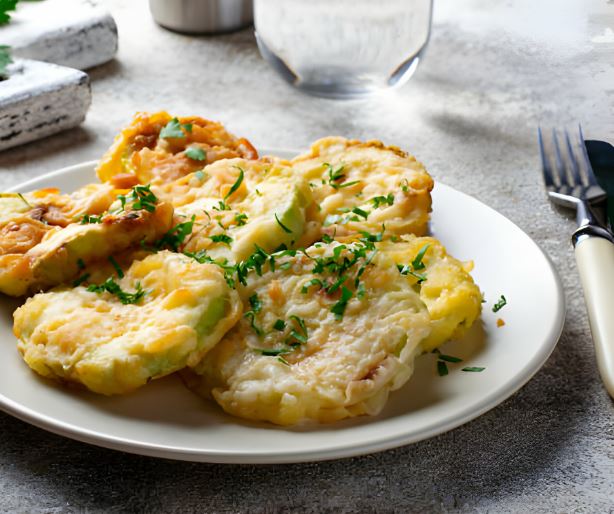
<point x="111" y="348"/>
<point x="347" y="366"/>
<point x="269" y="189"/>
<point x="366" y="171"/>
<point x="140" y="152"/>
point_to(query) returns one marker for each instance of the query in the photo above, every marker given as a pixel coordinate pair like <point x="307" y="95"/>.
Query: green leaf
<point x="236" y="185"/>
<point x="174" y="129"/>
<point x="500" y="304"/>
<point x="118" y="269"/>
<point x="449" y="358"/>
<point x="196" y="153"/>
<point x="417" y="263"/>
<point x="5" y="7"/>
<point x="279" y="325"/>
<point x="113" y="287"/>
<point x="339" y="308"/>
<point x="473" y="369"/>
<point x="175" y="237"/>
<point x="221" y="238"/>
<point x="442" y="368"/>
<point x="284" y="228"/>
<point x="255" y="303"/>
<point x="272" y="352"/>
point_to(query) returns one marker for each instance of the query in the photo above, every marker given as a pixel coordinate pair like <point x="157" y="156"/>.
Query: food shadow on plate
<point x="168" y="401"/>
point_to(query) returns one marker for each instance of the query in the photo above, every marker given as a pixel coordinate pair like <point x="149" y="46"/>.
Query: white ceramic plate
<point x="164" y="419"/>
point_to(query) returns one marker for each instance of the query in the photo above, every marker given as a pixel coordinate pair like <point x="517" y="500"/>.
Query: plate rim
<point x="488" y="402"/>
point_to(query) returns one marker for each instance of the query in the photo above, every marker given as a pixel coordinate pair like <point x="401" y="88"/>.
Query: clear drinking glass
<point x="343" y="48"/>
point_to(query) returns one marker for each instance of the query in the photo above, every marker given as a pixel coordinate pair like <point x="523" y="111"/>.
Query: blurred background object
<point x="202" y="16"/>
<point x="345" y="48"/>
<point x="76" y="33"/>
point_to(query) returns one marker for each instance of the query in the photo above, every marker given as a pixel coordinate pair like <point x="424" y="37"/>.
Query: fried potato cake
<point x="165" y="313"/>
<point x="157" y="148"/>
<point x="360" y="186"/>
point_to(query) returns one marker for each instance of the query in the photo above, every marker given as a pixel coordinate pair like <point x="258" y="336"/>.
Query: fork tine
<point x="547" y="168"/>
<point x="575" y="168"/>
<point x="592" y="180"/>
<point x="559" y="166"/>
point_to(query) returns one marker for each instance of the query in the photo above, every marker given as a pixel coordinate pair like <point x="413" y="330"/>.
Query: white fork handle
<point x="595" y="259"/>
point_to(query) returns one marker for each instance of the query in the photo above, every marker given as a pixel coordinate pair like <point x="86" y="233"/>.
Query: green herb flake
<point x="91" y="219"/>
<point x="236" y="185"/>
<point x="255" y="303"/>
<point x="5" y="7"/>
<point x="417" y="263"/>
<point x="221" y="238"/>
<point x="279" y="325"/>
<point x="448" y="358"/>
<point x="174" y="129"/>
<point x="360" y="212"/>
<point x="473" y="369"/>
<point x="117" y="267"/>
<point x="272" y="352"/>
<point x="141" y="198"/>
<point x="196" y="153"/>
<point x="339" y="308"/>
<point x="241" y="219"/>
<point x="81" y="279"/>
<point x="442" y="368"/>
<point x="251" y="315"/>
<point x="500" y="304"/>
<point x="176" y="236"/>
<point x="382" y="200"/>
<point x="23" y="199"/>
<point x="360" y="291"/>
<point x="312" y="282"/>
<point x="283" y="361"/>
<point x="284" y="228"/>
<point x="200" y="175"/>
<point x="113" y="287"/>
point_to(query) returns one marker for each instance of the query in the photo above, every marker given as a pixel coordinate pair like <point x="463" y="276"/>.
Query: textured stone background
<point x="494" y="69"/>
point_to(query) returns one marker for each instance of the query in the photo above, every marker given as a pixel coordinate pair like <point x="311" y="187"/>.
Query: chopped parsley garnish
<point x="272" y="352"/>
<point x="301" y="324"/>
<point x="442" y="368"/>
<point x="406" y="270"/>
<point x="202" y="258"/>
<point x="279" y="325"/>
<point x="80" y="263"/>
<point x="404" y="185"/>
<point x="221" y="238"/>
<point x="500" y="304"/>
<point x="417" y="263"/>
<point x="448" y="358"/>
<point x="327" y="239"/>
<point x="241" y="219"/>
<point x="141" y="197"/>
<point x="312" y="282"/>
<point x="174" y="129"/>
<point x="382" y="200"/>
<point x="81" y="279"/>
<point x="222" y="206"/>
<point x="89" y="218"/>
<point x="473" y="369"/>
<point x="5" y="7"/>
<point x="236" y="185"/>
<point x="360" y="212"/>
<point x="175" y="237"/>
<point x="283" y="361"/>
<point x="118" y="269"/>
<point x="251" y="315"/>
<point x="360" y="291"/>
<point x="23" y="199"/>
<point x="113" y="287"/>
<point x="336" y="175"/>
<point x="339" y="308"/>
<point x="196" y="153"/>
<point x="284" y="228"/>
<point x="255" y="303"/>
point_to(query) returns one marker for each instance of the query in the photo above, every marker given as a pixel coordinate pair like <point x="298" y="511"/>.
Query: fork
<point x="570" y="182"/>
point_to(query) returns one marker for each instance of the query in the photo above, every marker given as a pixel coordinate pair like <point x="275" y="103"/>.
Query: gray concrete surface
<point x="494" y="70"/>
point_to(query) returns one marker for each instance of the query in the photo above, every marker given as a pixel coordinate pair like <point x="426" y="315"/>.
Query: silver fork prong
<point x="592" y="180"/>
<point x="559" y="167"/>
<point x="546" y="165"/>
<point x="573" y="164"/>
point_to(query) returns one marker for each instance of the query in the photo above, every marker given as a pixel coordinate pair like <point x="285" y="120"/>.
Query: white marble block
<point x="39" y="99"/>
<point x="75" y="33"/>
